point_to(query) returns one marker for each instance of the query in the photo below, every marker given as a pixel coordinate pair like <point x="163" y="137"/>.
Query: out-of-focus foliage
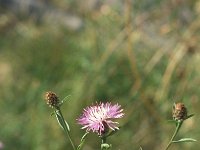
<point x="142" y="54"/>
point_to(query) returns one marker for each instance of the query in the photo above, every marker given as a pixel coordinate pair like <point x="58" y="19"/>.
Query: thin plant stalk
<point x="103" y="140"/>
<point x="104" y="145"/>
<point x="178" y="126"/>
<point x="65" y="128"/>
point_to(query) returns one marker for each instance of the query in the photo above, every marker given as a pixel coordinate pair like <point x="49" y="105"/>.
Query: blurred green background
<point x="142" y="54"/>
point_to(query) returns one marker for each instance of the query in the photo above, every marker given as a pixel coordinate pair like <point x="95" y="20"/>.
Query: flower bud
<point x="179" y="111"/>
<point x="52" y="99"/>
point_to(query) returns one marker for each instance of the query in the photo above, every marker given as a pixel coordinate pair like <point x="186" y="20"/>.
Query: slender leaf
<point x="64" y="99"/>
<point x="189" y="116"/>
<point x="185" y="140"/>
<point x="112" y="132"/>
<point x="171" y="121"/>
<point x="82" y="141"/>
<point x="60" y="121"/>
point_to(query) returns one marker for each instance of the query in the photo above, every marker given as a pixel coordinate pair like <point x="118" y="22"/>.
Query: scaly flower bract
<point x="99" y="118"/>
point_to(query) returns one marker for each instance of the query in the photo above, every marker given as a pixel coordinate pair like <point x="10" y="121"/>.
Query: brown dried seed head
<point x="179" y="111"/>
<point x="51" y="99"/>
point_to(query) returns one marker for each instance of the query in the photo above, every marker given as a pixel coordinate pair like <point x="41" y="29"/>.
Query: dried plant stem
<point x="154" y="60"/>
<point x="174" y="135"/>
<point x="129" y="46"/>
<point x="65" y="128"/>
<point x="179" y="52"/>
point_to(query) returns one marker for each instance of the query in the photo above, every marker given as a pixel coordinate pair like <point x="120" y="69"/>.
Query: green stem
<point x="66" y="129"/>
<point x="178" y="126"/>
<point x="103" y="140"/>
<point x="104" y="145"/>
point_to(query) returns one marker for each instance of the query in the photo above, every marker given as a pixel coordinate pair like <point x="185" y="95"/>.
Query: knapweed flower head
<point x="179" y="111"/>
<point x="99" y="118"/>
<point x="52" y="99"/>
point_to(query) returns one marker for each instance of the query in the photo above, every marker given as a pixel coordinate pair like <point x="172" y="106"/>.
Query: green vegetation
<point x="142" y="55"/>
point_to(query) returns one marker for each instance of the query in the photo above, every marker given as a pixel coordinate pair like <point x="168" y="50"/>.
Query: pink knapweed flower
<point x="99" y="117"/>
